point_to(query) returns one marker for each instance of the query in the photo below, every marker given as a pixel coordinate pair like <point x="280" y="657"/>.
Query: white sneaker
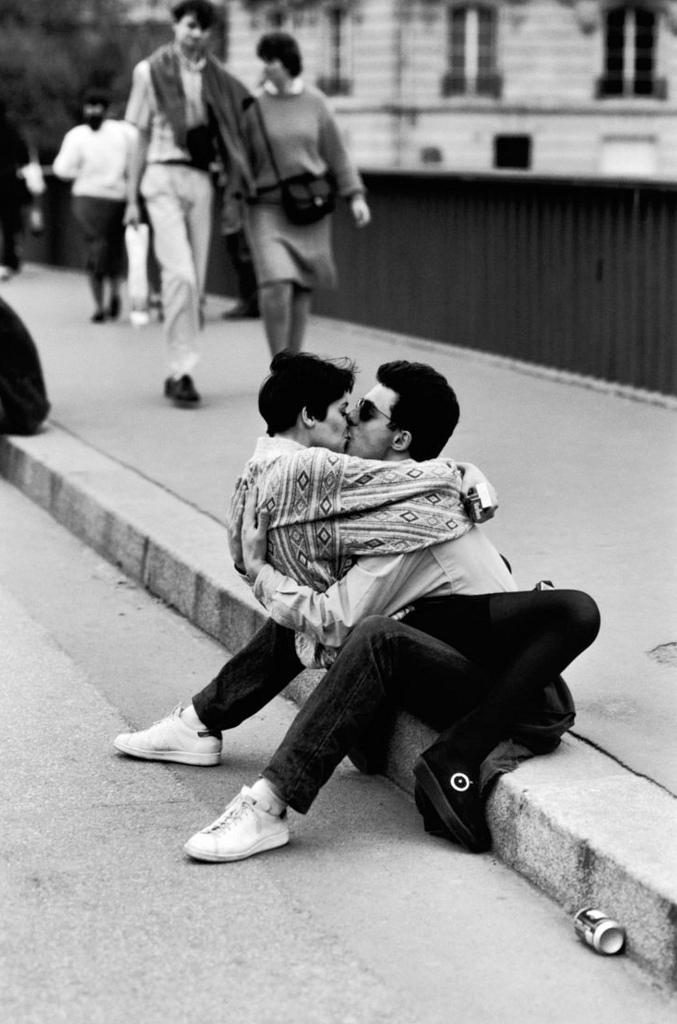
<point x="246" y="827"/>
<point x="171" y="740"/>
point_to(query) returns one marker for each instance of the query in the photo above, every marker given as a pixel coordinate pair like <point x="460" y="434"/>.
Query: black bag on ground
<point x="307" y="199"/>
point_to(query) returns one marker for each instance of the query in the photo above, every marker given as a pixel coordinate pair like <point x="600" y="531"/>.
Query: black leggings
<point x="523" y="640"/>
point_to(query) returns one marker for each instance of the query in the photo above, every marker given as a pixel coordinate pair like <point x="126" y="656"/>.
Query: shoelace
<point x="233" y="813"/>
<point x="174" y="713"/>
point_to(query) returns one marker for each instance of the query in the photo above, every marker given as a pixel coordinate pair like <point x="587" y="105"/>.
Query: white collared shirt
<point x="294" y="88"/>
<point x="382" y="585"/>
<point x="191" y="79"/>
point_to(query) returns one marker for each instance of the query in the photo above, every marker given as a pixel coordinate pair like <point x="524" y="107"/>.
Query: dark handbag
<point x="306" y="198"/>
<point x="200" y="145"/>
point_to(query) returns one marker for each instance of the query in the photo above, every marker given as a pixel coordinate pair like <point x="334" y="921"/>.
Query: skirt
<point x="101" y="223"/>
<point x="289" y="252"/>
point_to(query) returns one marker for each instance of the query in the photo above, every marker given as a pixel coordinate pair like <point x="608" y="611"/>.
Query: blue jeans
<point x="353" y="695"/>
<point x="383" y="664"/>
<point x="252" y="677"/>
<point x="518" y="643"/>
<point x="508" y="649"/>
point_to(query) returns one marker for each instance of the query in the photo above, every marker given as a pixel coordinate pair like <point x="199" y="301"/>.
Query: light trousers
<point x="179" y="203"/>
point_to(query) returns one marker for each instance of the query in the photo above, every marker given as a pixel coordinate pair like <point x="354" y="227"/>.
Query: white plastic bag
<point x="136" y="241"/>
<point x="33" y="176"/>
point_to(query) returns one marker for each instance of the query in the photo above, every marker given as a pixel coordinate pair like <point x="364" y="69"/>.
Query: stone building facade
<point x="548" y="87"/>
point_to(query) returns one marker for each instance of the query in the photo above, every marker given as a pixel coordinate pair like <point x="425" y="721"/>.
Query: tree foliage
<point x="52" y="52"/>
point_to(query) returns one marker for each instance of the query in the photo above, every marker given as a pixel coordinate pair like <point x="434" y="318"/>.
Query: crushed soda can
<point x="478" y="504"/>
<point x="599" y="931"/>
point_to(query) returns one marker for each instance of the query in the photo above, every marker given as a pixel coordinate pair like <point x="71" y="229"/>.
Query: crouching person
<point x="23" y="397"/>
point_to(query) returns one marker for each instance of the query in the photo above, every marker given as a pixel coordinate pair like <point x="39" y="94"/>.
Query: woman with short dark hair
<point x="294" y="122"/>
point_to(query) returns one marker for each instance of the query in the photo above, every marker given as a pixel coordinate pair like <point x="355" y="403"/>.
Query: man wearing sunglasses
<point x="409" y="394"/>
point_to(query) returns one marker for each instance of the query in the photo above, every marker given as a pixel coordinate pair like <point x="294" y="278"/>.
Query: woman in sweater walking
<point x="291" y="130"/>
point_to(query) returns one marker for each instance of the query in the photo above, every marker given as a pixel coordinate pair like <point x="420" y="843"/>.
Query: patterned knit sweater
<point x="326" y="509"/>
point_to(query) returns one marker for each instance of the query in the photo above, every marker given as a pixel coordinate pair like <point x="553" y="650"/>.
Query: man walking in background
<point x="186" y="107"/>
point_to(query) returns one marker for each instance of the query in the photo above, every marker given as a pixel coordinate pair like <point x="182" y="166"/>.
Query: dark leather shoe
<point x="181" y="391"/>
<point x="453" y="790"/>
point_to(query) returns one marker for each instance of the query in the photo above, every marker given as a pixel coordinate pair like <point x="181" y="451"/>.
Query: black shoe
<point x="114" y="308"/>
<point x="181" y="391"/>
<point x="453" y="790"/>
<point x="98" y="317"/>
<point x="242" y="311"/>
<point x="432" y="822"/>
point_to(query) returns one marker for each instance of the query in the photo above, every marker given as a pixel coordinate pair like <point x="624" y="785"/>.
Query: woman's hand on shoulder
<point x="254" y="536"/>
<point x="360" y="210"/>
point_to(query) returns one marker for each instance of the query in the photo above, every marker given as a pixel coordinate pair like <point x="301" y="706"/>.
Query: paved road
<point x="361" y="920"/>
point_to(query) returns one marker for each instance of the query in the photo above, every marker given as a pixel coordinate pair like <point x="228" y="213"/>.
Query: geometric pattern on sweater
<point x="326" y="509"/>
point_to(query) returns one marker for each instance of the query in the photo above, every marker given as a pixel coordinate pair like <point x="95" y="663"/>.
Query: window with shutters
<point x="630" y="54"/>
<point x="472" y="48"/>
<point x="337" y="76"/>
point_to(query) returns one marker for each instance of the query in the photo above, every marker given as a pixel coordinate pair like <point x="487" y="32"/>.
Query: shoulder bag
<point x="306" y="198"/>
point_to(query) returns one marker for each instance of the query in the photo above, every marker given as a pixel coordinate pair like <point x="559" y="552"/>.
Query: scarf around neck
<point x="223" y="95"/>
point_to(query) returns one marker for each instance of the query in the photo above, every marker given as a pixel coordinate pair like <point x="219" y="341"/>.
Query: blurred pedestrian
<point x="242" y="262"/>
<point x="290" y="130"/>
<point x="14" y="192"/>
<point x="187" y="110"/>
<point x="23" y="397"/>
<point x="95" y="156"/>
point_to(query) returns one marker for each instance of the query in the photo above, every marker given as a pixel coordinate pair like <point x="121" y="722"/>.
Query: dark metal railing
<point x="575" y="275"/>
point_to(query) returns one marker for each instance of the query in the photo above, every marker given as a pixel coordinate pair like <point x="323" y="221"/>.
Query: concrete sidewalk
<point x="362" y="919"/>
<point x="586" y="480"/>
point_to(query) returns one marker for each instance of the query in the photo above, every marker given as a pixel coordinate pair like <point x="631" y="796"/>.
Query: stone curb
<point x="581" y="827"/>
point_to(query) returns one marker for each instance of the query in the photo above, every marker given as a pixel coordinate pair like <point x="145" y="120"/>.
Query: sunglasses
<point x="366" y="410"/>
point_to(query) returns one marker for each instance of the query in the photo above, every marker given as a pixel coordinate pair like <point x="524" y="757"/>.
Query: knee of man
<point x="372" y="627"/>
